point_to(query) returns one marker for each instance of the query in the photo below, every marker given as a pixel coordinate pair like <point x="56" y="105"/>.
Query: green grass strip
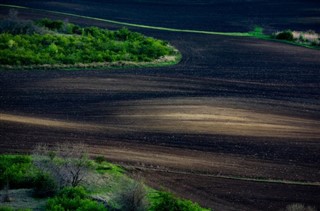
<point x="236" y="34"/>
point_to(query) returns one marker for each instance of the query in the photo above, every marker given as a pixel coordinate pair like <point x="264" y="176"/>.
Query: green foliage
<point x="4" y="208"/>
<point x="54" y="25"/>
<point x="257" y="31"/>
<point x="44" y="186"/>
<point x="285" y="35"/>
<point x="165" y="201"/>
<point x="17" y="170"/>
<point x="99" y="159"/>
<point x="61" y="44"/>
<point x="73" y="198"/>
<point x="106" y="167"/>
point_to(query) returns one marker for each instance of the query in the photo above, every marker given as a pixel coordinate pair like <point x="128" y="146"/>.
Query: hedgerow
<point x="57" y="42"/>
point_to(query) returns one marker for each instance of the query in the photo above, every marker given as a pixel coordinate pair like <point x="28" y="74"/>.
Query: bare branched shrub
<point x="13" y="14"/>
<point x="67" y="163"/>
<point x="299" y="207"/>
<point x="132" y="196"/>
<point x="13" y="25"/>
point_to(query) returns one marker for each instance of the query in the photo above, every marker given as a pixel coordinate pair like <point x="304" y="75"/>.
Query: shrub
<point x="99" y="159"/>
<point x="68" y="164"/>
<point x="13" y="25"/>
<point x="257" y="31"/>
<point x="299" y="207"/>
<point x="17" y="170"/>
<point x="29" y="43"/>
<point x="285" y="35"/>
<point x="73" y="198"/>
<point x="132" y="196"/>
<point x="44" y="186"/>
<point x="165" y="201"/>
<point x="54" y="25"/>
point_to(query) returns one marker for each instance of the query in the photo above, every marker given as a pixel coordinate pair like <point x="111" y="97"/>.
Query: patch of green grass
<point x="105" y="167"/>
<point x="22" y="199"/>
<point x="162" y="201"/>
<point x="258" y="33"/>
<point x="6" y="208"/>
<point x="73" y="198"/>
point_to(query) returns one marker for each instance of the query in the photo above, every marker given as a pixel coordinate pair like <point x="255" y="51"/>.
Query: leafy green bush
<point x="99" y="159"/>
<point x="285" y="35"/>
<point x="258" y="32"/>
<point x="73" y="198"/>
<point x="44" y="186"/>
<point x="17" y="170"/>
<point x="60" y="43"/>
<point x="165" y="201"/>
<point x="54" y="25"/>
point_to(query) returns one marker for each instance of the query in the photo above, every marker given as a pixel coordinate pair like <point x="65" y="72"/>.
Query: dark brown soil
<point x="234" y="106"/>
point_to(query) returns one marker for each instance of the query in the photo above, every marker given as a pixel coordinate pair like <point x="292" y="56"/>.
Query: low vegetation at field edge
<point x="53" y="42"/>
<point x="68" y="180"/>
<point x="307" y="39"/>
<point x="310" y="38"/>
<point x="76" y="182"/>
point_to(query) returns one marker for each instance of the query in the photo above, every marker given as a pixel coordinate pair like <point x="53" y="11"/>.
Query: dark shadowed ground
<point x="234" y="106"/>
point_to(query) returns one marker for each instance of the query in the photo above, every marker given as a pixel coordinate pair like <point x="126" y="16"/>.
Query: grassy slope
<point x="111" y="179"/>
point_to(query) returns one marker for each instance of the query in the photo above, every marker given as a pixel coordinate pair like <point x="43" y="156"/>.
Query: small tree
<point x="285" y="35"/>
<point x="66" y="163"/>
<point x="132" y="196"/>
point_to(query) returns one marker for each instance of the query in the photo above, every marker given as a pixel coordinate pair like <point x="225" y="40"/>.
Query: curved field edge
<point x="243" y="34"/>
<point x="255" y="33"/>
<point x="258" y="33"/>
<point x="51" y="44"/>
<point x="161" y="62"/>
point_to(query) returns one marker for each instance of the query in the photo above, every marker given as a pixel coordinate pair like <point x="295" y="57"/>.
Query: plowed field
<point x="234" y="126"/>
